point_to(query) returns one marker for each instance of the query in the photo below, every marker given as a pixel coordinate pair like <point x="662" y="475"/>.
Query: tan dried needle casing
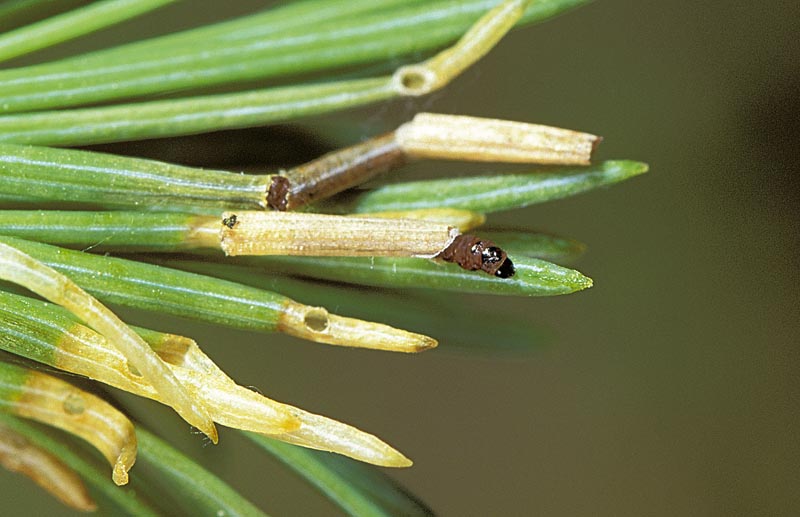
<point x="287" y="233"/>
<point x="454" y="137"/>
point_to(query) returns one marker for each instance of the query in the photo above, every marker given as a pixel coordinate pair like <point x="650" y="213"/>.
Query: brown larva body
<point x="472" y="253"/>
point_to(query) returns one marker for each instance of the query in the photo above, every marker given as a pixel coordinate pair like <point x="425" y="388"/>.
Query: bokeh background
<point x="672" y="386"/>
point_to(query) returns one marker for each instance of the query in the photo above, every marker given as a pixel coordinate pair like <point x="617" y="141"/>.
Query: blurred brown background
<point x="671" y="387"/>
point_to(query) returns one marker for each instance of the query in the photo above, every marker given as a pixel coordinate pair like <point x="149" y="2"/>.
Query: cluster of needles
<point x="271" y="218"/>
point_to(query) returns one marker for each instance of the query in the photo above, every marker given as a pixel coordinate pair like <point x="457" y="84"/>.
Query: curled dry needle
<point x="236" y="406"/>
<point x="44" y="398"/>
<point x="18" y="454"/>
<point x="17" y="267"/>
<point x="72" y="347"/>
<point x="284" y="233"/>
<point x="83" y="351"/>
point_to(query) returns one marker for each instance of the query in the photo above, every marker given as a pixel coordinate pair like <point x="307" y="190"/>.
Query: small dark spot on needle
<point x="230" y="222"/>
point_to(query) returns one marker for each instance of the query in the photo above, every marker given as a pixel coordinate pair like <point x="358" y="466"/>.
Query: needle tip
<point x="317" y="324"/>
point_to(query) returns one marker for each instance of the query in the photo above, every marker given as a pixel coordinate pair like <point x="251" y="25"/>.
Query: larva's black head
<point x="494" y="260"/>
<point x="506" y="269"/>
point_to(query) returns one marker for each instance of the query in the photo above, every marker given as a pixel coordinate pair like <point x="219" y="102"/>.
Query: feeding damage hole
<point x="74" y="404"/>
<point x="174" y="352"/>
<point x="316" y="319"/>
<point x="414" y="80"/>
<point x="132" y="370"/>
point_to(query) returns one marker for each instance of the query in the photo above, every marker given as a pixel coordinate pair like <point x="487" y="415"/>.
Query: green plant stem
<point x="533" y="277"/>
<point x="47" y="174"/>
<point x="196" y="490"/>
<point x="123" y="500"/>
<point x="101" y="231"/>
<point x="355" y="40"/>
<point x="488" y="193"/>
<point x="191" y="115"/>
<point x="356" y="488"/>
<point x="72" y="24"/>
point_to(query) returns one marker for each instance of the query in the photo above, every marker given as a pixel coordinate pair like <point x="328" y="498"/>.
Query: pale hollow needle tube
<point x="429" y="136"/>
<point x="293" y="233"/>
<point x="122" y="182"/>
<point x="148" y="119"/>
<point x="17" y="267"/>
<point x="302" y="234"/>
<point x="454" y="137"/>
<point x="438" y="71"/>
